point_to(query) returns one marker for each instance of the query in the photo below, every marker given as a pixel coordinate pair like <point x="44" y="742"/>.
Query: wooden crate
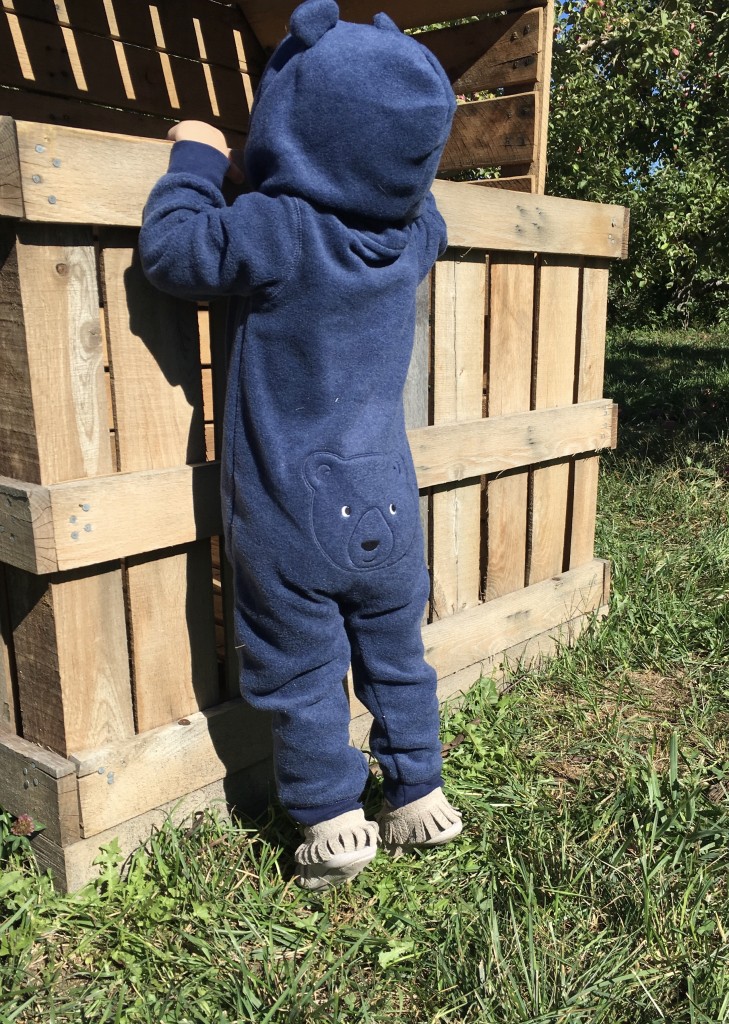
<point x="118" y="702"/>
<point x="135" y="68"/>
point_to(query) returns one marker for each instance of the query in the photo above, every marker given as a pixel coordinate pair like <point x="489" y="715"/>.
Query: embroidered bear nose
<point x="370" y="545"/>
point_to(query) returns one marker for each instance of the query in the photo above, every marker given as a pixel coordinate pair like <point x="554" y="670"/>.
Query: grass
<point x="591" y="882"/>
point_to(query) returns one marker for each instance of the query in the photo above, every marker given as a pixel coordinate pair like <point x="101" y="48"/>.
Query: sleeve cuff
<point x="199" y="159"/>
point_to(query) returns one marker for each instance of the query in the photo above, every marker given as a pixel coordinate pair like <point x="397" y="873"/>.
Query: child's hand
<point x="199" y="131"/>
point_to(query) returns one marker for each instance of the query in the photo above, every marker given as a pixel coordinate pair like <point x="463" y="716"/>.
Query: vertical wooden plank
<point x="590" y="374"/>
<point x="69" y="638"/>
<point x="416" y="400"/>
<point x="542" y="88"/>
<point x="460" y="303"/>
<point x="553" y="386"/>
<point x="511" y="323"/>
<point x="154" y="361"/>
<point x="9" y="711"/>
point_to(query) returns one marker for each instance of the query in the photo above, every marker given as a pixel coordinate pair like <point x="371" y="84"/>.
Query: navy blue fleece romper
<point x="320" y="499"/>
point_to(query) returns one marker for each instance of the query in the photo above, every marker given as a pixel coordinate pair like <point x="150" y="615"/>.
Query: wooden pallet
<point x="116" y="683"/>
<point x="135" y="68"/>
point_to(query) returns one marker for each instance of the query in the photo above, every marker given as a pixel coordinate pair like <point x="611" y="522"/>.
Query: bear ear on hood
<point x="385" y="22"/>
<point x="318" y="468"/>
<point x="312" y="19"/>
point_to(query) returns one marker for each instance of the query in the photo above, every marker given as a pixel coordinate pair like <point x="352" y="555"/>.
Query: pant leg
<point x="398" y="687"/>
<point x="294" y="654"/>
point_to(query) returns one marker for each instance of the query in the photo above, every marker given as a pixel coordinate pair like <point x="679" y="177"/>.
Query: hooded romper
<point x="320" y="500"/>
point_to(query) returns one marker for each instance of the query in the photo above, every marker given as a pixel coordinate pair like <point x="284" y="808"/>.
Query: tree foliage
<point x="640" y="116"/>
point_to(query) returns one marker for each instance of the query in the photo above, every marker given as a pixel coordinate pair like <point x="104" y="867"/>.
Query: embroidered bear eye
<point x="393" y="510"/>
<point x="346" y="511"/>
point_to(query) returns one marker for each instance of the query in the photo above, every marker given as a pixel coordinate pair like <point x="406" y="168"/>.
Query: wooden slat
<point x="9" y="710"/>
<point x="72" y="688"/>
<point x="162" y="764"/>
<point x="460" y="302"/>
<point x="132" y="513"/>
<point x="93" y="186"/>
<point x="268" y="18"/>
<point x="511" y="311"/>
<point x="127" y="77"/>
<point x="491" y="132"/>
<point x="39" y="783"/>
<point x="155" y="370"/>
<point x="479" y="633"/>
<point x="590" y="372"/>
<point x="554" y="387"/>
<point x="542" y="90"/>
<point x="488" y="54"/>
<point x="416" y="395"/>
<point x="523" y="183"/>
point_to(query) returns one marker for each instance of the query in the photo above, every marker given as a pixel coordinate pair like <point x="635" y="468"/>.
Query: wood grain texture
<point x="269" y="18"/>
<point x="154" y="360"/>
<point x="93" y="186"/>
<point x="460" y="301"/>
<point x="489" y="133"/>
<point x="488" y="54"/>
<point x="589" y="385"/>
<point x="160" y="765"/>
<point x="73" y="678"/>
<point x="416" y="395"/>
<point x="477" y="634"/>
<point x="73" y="866"/>
<point x="554" y="387"/>
<point x="39" y="783"/>
<point x="133" y="513"/>
<point x="542" y="91"/>
<point x="509" y="372"/>
<point x="11" y="191"/>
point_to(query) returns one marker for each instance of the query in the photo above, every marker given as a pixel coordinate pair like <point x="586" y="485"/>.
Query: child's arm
<point x="432" y="235"/>
<point x="195" y="246"/>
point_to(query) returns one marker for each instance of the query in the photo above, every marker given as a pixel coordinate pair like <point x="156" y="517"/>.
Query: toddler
<point x="320" y="502"/>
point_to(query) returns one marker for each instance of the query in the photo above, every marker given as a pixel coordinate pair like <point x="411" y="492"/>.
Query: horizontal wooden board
<point x="491" y="132"/>
<point x="93" y="185"/>
<point x="485" y="219"/>
<point x="479" y="633"/>
<point x="135" y="775"/>
<point x="520" y="183"/>
<point x="103" y="518"/>
<point x="489" y="54"/>
<point x="529" y="654"/>
<point x="269" y="18"/>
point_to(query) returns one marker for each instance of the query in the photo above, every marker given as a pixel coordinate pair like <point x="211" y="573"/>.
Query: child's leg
<point x="294" y="654"/>
<point x="395" y="683"/>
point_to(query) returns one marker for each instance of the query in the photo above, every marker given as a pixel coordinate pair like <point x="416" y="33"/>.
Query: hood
<point x="351" y="117"/>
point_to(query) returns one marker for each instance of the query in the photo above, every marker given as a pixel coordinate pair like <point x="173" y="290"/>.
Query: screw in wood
<point x="52" y="200"/>
<point x="56" y="162"/>
<point x="37" y="179"/>
<point x="40" y="149"/>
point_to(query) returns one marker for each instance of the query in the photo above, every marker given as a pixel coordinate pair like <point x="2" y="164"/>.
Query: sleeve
<point x="193" y="245"/>
<point x="432" y="235"/>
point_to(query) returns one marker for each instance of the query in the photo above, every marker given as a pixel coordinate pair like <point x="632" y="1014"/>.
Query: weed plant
<point x="590" y="885"/>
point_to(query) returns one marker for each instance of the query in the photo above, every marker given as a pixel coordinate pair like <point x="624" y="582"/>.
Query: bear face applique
<point x="364" y="509"/>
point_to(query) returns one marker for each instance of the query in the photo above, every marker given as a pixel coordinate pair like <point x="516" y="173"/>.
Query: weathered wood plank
<point x="157" y="766"/>
<point x="523" y="183"/>
<point x="590" y="373"/>
<point x="132" y="513"/>
<point x="488" y="54"/>
<point x="154" y="360"/>
<point x="491" y="132"/>
<point x="511" y="316"/>
<point x="268" y="18"/>
<point x="528" y="654"/>
<point x="93" y="186"/>
<point x="72" y="687"/>
<point x="542" y="91"/>
<point x="460" y="303"/>
<point x="416" y="395"/>
<point x="554" y="387"/>
<point x="39" y="783"/>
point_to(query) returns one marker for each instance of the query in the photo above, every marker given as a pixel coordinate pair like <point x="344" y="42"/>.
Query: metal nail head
<point x="52" y="200"/>
<point x="56" y="162"/>
<point x="37" y="179"/>
<point x="40" y="149"/>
